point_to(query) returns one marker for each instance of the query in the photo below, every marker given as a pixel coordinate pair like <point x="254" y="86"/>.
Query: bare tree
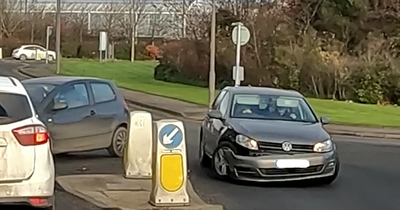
<point x="81" y="22"/>
<point x="37" y="21"/>
<point x="11" y="20"/>
<point x="129" y="22"/>
<point x="193" y="19"/>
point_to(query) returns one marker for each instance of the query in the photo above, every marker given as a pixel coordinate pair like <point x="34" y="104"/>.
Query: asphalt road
<point x="368" y="179"/>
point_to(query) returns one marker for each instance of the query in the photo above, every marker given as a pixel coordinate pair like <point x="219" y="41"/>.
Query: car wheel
<point x="205" y="161"/>
<point x="118" y="142"/>
<point x="22" y="57"/>
<point x="50" y="58"/>
<point x="330" y="179"/>
<point x="219" y="163"/>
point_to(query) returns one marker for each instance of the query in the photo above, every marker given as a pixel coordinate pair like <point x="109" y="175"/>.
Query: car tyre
<point x="205" y="161"/>
<point x="118" y="142"/>
<point x="50" y="58"/>
<point x="219" y="164"/>
<point x="22" y="57"/>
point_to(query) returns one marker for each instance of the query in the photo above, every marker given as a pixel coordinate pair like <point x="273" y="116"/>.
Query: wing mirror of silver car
<point x="60" y="106"/>
<point x="324" y="120"/>
<point x="215" y="114"/>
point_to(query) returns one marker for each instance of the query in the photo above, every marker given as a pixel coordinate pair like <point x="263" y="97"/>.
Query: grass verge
<point x="139" y="76"/>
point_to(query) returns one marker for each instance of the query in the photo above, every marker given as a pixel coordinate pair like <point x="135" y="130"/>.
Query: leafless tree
<point x="129" y="22"/>
<point x="191" y="18"/>
<point x="81" y="22"/>
<point x="10" y="20"/>
<point x="37" y="22"/>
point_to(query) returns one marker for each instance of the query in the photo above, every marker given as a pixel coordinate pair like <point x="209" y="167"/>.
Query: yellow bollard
<point x="169" y="178"/>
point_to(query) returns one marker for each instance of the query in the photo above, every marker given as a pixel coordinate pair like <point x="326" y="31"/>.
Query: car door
<point x="106" y="107"/>
<point x="72" y="127"/>
<point x="41" y="51"/>
<point x="207" y="125"/>
<point x="30" y="52"/>
<point x="217" y="125"/>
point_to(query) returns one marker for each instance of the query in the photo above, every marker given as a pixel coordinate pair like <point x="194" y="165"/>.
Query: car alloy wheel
<point x="50" y="58"/>
<point x="221" y="166"/>
<point x="22" y="57"/>
<point x="118" y="142"/>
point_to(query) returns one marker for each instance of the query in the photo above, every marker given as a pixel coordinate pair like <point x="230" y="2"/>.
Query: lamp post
<point x="211" y="77"/>
<point x="58" y="36"/>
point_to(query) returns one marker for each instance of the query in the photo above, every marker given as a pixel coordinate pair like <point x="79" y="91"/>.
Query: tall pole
<point x="183" y="19"/>
<point x="133" y="26"/>
<point x="58" y="37"/>
<point x="211" y="81"/>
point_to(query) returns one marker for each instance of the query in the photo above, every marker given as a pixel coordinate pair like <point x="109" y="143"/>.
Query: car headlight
<point x="325" y="146"/>
<point x="247" y="142"/>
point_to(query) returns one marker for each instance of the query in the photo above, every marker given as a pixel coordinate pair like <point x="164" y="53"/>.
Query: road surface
<point x="368" y="179"/>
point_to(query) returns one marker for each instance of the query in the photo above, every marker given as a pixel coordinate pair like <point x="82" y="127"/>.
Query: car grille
<point x="278" y="147"/>
<point x="291" y="171"/>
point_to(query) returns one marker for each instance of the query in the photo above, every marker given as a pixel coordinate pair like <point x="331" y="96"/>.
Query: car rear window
<point x="102" y="92"/>
<point x="14" y="108"/>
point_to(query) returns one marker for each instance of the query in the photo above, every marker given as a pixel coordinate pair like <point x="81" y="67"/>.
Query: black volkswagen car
<point x="266" y="135"/>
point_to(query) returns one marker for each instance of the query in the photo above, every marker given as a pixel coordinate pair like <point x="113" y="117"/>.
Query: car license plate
<point x="292" y="163"/>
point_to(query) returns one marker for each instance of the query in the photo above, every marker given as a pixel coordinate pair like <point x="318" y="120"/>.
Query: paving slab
<point x="110" y="191"/>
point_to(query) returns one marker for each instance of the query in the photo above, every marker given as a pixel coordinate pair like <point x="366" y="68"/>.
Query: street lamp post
<point x="211" y="79"/>
<point x="58" y="36"/>
<point x="133" y="27"/>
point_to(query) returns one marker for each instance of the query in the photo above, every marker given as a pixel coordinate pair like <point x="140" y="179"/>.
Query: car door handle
<point x="92" y="112"/>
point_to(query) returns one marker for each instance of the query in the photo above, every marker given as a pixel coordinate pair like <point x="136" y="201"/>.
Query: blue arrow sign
<point x="170" y="136"/>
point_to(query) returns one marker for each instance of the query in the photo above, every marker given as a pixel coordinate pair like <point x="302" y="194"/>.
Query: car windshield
<point x="271" y="107"/>
<point x="38" y="92"/>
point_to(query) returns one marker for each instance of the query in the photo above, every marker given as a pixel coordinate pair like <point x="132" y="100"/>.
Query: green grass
<point x="139" y="76"/>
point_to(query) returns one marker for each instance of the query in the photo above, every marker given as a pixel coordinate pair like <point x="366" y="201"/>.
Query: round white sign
<point x="244" y="35"/>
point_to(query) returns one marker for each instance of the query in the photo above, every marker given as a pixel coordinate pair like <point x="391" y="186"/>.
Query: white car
<point x="32" y="52"/>
<point x="26" y="162"/>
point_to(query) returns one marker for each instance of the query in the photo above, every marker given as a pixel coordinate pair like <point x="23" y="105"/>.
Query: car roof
<point x="11" y="85"/>
<point x="263" y="90"/>
<point x="31" y="45"/>
<point x="60" y="80"/>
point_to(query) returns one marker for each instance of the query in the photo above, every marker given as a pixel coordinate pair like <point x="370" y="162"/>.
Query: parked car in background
<point x="81" y="113"/>
<point x="267" y="135"/>
<point x="26" y="164"/>
<point x="28" y="52"/>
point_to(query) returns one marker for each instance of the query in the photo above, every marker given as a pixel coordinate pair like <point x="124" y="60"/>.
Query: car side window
<point x="223" y="107"/>
<point x="102" y="92"/>
<point x="29" y="48"/>
<point x="75" y="96"/>
<point x="40" y="48"/>
<point x="218" y="100"/>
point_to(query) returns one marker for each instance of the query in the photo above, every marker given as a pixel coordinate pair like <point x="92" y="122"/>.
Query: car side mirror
<point x="215" y="114"/>
<point x="60" y="106"/>
<point x="324" y="120"/>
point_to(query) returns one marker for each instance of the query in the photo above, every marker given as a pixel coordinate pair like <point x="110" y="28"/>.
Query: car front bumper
<point x="263" y="168"/>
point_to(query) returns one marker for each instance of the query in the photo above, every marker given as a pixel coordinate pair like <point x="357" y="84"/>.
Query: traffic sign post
<point x="48" y="34"/>
<point x="138" y="148"/>
<point x="169" y="165"/>
<point x="240" y="37"/>
<point x="235" y="71"/>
